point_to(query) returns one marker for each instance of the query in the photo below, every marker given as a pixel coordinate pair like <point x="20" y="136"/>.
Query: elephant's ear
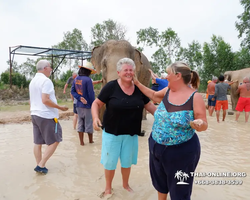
<point x="138" y="60"/>
<point x="96" y="58"/>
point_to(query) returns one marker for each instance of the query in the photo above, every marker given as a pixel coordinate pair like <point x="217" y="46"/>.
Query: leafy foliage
<point x="217" y="58"/>
<point x="243" y="25"/>
<point x="71" y="41"/>
<point x="17" y="79"/>
<point x="242" y="58"/>
<point x="167" y="44"/>
<point x="108" y="30"/>
<point x="192" y="55"/>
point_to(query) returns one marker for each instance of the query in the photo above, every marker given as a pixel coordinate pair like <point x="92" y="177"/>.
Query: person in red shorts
<point x="221" y="94"/>
<point x="244" y="100"/>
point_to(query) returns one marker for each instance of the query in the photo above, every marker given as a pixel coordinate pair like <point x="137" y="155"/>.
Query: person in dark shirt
<point x="121" y="122"/>
<point x="221" y="97"/>
<point x="83" y="90"/>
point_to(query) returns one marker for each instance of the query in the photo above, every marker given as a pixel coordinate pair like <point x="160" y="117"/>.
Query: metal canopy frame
<point x="46" y="52"/>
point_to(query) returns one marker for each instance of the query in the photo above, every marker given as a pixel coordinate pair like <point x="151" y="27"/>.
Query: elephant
<point x="105" y="57"/>
<point x="233" y="76"/>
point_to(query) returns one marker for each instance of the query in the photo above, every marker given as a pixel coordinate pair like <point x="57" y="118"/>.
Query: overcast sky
<point x="42" y="23"/>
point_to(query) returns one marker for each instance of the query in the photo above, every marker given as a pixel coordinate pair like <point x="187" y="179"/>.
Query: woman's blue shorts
<point x="114" y="147"/>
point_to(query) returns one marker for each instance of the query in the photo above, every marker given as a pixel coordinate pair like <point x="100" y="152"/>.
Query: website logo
<point x="182" y="177"/>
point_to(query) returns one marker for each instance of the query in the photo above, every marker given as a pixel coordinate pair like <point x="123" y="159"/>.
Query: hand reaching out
<point x="196" y="124"/>
<point x="63" y="108"/>
<point x="97" y="124"/>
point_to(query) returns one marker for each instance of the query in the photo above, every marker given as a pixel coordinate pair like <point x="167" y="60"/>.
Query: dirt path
<point x="7" y="117"/>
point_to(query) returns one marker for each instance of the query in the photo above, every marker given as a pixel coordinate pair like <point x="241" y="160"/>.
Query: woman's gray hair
<point x="124" y="61"/>
<point x="42" y="64"/>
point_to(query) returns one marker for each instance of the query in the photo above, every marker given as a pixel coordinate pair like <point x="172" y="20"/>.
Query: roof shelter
<point x="46" y="52"/>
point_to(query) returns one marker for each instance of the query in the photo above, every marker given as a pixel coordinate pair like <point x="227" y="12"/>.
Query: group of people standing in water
<point x="217" y="97"/>
<point x="173" y="143"/>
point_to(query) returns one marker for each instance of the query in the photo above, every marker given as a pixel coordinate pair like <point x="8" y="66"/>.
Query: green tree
<point x="217" y="58"/>
<point x="192" y="55"/>
<point x="167" y="46"/>
<point x="243" y="25"/>
<point x="242" y="58"/>
<point x="15" y="67"/>
<point x="108" y="30"/>
<point x="28" y="68"/>
<point x="71" y="41"/>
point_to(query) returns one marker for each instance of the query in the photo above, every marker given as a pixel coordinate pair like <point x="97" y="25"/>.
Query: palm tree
<point x="178" y="174"/>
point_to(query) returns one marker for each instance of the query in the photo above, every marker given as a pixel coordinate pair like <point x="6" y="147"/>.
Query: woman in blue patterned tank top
<point x="174" y="148"/>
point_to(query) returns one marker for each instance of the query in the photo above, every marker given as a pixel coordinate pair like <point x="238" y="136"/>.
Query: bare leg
<point x="246" y="116"/>
<point x="109" y="175"/>
<point x="212" y="110"/>
<point x="125" y="177"/>
<point x="48" y="153"/>
<point x="162" y="196"/>
<point x="81" y="138"/>
<point x="38" y="153"/>
<point x="224" y="115"/>
<point x="218" y="115"/>
<point x="90" y="137"/>
<point x="75" y="117"/>
<point x="237" y="115"/>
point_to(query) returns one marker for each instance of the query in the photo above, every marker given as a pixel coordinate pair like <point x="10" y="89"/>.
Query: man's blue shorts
<point x="114" y="147"/>
<point x="211" y="102"/>
<point x="171" y="167"/>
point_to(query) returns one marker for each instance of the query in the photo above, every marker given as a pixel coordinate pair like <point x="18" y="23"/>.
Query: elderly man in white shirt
<point x="44" y="115"/>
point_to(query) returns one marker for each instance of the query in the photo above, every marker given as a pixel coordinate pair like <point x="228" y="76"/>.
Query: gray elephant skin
<point x="233" y="76"/>
<point x="105" y="57"/>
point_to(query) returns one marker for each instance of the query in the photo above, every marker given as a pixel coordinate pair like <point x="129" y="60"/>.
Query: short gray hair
<point x="246" y="79"/>
<point x="214" y="78"/>
<point x="42" y="64"/>
<point x="124" y="61"/>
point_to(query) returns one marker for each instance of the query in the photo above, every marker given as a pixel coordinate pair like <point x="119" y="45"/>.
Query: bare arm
<point x="230" y="83"/>
<point x="96" y="82"/>
<point x="95" y="108"/>
<point x="200" y="122"/>
<point x="155" y="96"/>
<point x="153" y="75"/>
<point x="65" y="87"/>
<point x="150" y="107"/>
<point x="47" y="101"/>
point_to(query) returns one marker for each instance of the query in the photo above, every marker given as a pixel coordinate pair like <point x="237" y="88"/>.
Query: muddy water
<point x="75" y="172"/>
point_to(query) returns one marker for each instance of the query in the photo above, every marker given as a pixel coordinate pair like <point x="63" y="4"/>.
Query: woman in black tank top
<point x="176" y="130"/>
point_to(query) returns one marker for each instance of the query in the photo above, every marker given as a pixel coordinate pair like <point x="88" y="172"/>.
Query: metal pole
<point x="10" y="67"/>
<point x="52" y="65"/>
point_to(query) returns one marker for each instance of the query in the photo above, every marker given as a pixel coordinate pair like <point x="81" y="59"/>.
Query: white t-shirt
<point x="38" y="85"/>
